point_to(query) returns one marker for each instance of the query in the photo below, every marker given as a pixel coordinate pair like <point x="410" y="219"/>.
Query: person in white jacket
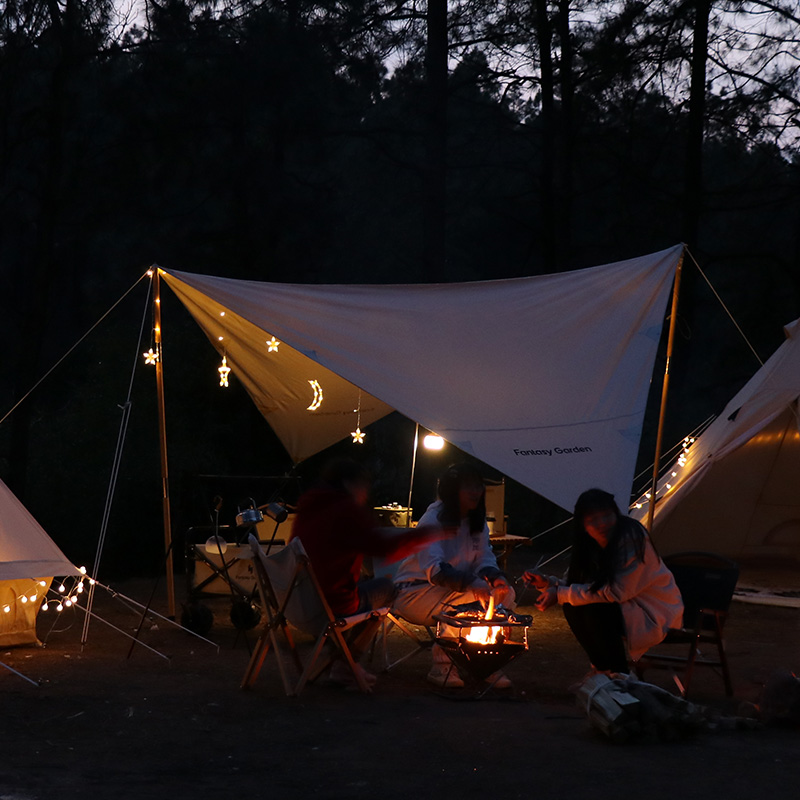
<point x="458" y="568"/>
<point x="619" y="598"/>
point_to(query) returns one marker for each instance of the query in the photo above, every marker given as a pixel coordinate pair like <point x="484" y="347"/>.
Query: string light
<point x="317" y="401"/>
<point x="224" y="371"/>
<point x="358" y="434"/>
<point x="272" y="345"/>
<point x="150" y="357"/>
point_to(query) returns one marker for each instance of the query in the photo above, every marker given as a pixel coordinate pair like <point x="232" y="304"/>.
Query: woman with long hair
<point x="619" y="598"/>
<point x="458" y="568"/>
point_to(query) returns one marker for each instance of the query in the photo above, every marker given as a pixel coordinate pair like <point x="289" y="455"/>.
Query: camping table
<point x="506" y="544"/>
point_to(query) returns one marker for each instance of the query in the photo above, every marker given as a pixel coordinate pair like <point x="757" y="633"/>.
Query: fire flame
<point x="484" y="634"/>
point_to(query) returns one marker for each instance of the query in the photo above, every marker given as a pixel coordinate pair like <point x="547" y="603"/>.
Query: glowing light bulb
<point x="7" y="609"/>
<point x="59" y="607"/>
<point x="82" y="570"/>
<point x="45" y="606"/>
<point x="23" y="599"/>
<point x="358" y="436"/>
<point x="224" y="371"/>
<point x="62" y="588"/>
<point x="317" y="401"/>
<point x="150" y="357"/>
<point x="433" y="442"/>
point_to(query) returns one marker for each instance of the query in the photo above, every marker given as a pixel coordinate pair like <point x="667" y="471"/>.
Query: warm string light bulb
<point x="358" y="434"/>
<point x="317" y="401"/>
<point x="224" y="370"/>
<point x="150" y="357"/>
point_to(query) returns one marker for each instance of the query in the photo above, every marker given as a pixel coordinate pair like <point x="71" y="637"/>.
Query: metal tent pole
<point x="673" y="318"/>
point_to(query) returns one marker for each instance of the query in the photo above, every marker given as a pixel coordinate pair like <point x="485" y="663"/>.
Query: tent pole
<point x="673" y="319"/>
<point x="413" y="467"/>
<point x="162" y="437"/>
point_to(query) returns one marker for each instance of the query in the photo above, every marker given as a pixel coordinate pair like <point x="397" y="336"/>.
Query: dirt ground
<point x="104" y="724"/>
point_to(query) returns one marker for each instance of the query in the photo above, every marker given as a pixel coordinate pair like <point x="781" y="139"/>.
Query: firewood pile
<point x="627" y="710"/>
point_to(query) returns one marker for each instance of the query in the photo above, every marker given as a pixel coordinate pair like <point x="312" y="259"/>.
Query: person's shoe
<point x="445" y="676"/>
<point x="499" y="680"/>
<point x="340" y="673"/>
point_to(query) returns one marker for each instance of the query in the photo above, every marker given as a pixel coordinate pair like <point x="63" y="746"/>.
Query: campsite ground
<point x="107" y="725"/>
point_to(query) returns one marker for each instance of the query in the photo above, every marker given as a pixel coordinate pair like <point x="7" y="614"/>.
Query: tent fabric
<point x="18" y="624"/>
<point x="26" y="551"/>
<point x="544" y="378"/>
<point x="737" y="492"/>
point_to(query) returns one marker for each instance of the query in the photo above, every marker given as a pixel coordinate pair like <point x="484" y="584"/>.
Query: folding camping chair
<point x="291" y="595"/>
<point x="422" y="636"/>
<point x="706" y="582"/>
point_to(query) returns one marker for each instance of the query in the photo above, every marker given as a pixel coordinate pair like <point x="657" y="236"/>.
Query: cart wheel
<point x="197" y="618"/>
<point x="245" y="615"/>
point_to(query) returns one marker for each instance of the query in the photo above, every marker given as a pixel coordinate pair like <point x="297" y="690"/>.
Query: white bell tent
<point x="544" y="378"/>
<point x="736" y="490"/>
<point x="29" y="559"/>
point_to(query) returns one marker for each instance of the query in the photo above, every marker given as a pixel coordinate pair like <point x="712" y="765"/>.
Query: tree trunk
<point x="693" y="176"/>
<point x="435" y="188"/>
<point x="547" y="186"/>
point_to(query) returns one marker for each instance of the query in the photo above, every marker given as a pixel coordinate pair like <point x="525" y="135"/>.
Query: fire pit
<point x="481" y="641"/>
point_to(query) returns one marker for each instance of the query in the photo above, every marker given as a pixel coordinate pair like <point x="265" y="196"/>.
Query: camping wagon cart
<point x="219" y="564"/>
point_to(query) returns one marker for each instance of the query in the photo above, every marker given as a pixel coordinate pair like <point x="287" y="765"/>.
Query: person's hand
<point x="536" y="579"/>
<point x="481" y="591"/>
<point x="547" y="598"/>
<point x="503" y="594"/>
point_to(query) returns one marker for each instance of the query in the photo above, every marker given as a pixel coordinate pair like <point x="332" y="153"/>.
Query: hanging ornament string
<point x="358" y="434"/>
<point x="224" y="370"/>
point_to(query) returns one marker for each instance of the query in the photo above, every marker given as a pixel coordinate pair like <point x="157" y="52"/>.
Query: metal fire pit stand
<point x="476" y="660"/>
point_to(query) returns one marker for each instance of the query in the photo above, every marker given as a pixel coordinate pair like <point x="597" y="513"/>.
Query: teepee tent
<point x="544" y="378"/>
<point x="737" y="490"/>
<point x="29" y="559"/>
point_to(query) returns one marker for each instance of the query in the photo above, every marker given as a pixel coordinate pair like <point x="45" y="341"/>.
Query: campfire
<point x="480" y="642"/>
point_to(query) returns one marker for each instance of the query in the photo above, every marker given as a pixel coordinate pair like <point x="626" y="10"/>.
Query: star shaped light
<point x="272" y="344"/>
<point x="224" y="371"/>
<point x="150" y="357"/>
<point x="358" y="436"/>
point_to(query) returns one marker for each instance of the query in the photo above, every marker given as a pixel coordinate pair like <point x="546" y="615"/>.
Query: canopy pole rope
<point x="112" y="483"/>
<point x="68" y="353"/>
<point x="673" y="318"/>
<point x="725" y="308"/>
<point x="162" y="436"/>
<point x="413" y="467"/>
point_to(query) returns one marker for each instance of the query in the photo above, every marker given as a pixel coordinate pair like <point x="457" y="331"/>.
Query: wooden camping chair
<point x="291" y="595"/>
<point x="706" y="582"/>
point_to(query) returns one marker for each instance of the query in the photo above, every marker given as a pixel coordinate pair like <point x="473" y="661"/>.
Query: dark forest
<point x="362" y="142"/>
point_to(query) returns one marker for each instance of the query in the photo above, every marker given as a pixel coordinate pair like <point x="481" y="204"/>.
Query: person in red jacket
<point x="338" y="530"/>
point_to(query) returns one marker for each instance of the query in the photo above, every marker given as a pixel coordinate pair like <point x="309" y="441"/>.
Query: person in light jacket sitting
<point x="619" y="598"/>
<point x="458" y="568"/>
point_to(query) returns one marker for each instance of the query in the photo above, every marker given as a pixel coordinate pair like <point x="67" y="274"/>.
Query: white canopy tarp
<point x="544" y="378"/>
<point x="738" y="492"/>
